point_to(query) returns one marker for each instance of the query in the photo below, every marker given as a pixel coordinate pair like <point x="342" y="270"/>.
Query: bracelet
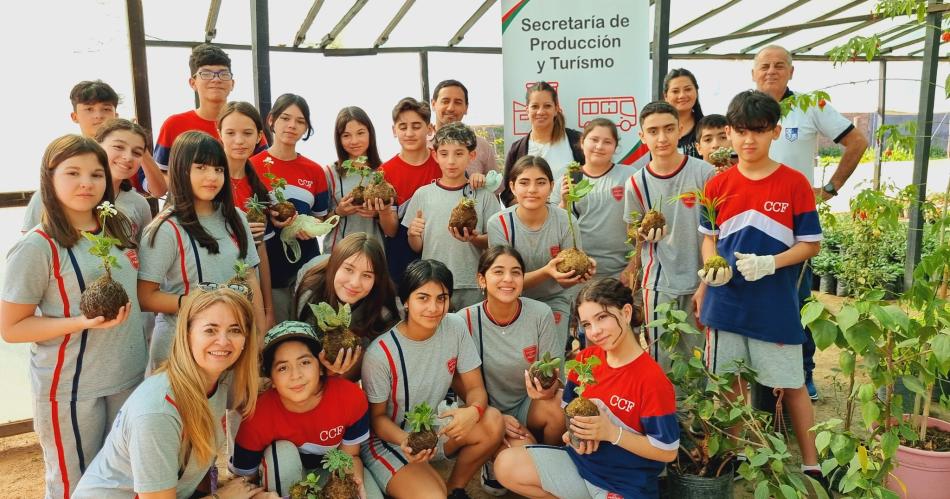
<point x="481" y="411"/>
<point x="179" y="300"/>
<point x="619" y="436"/>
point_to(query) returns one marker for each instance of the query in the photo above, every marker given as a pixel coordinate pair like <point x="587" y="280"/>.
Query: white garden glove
<point x="715" y="277"/>
<point x="654" y="234"/>
<point x="493" y="181"/>
<point x="754" y="267"/>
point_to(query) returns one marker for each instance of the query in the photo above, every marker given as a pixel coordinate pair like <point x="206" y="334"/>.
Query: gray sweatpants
<point x="71" y="434"/>
<point x="282" y="468"/>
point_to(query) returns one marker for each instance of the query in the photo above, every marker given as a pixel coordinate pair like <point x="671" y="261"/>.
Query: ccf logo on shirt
<point x="305" y="183"/>
<point x="451" y="365"/>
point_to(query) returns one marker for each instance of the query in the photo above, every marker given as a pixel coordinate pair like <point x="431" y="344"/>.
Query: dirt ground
<point x="22" y="462"/>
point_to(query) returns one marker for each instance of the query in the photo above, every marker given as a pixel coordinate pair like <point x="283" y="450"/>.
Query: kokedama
<point x="545" y="370"/>
<point x="581" y="406"/>
<point x="335" y="326"/>
<point x="340" y="483"/>
<point x="380" y="189"/>
<point x="357" y="167"/>
<point x="422" y="435"/>
<point x="103" y="297"/>
<point x="574" y="259"/>
<point x="285" y="209"/>
<point x="463" y="216"/>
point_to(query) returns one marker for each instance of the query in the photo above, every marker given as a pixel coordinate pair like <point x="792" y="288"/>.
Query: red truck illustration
<point x="621" y="110"/>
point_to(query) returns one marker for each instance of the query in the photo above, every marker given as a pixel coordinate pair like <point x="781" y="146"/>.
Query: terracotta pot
<point x="923" y="472"/>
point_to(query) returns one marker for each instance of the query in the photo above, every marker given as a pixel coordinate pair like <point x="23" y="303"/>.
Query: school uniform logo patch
<point x="791" y="134"/>
<point x="617" y="192"/>
<point x="133" y="257"/>
<point x="688" y="199"/>
<point x="555" y="250"/>
<point x="530" y="353"/>
<point x="557" y="317"/>
<point x="451" y="365"/>
<point x="305" y="183"/>
<point x="614" y="495"/>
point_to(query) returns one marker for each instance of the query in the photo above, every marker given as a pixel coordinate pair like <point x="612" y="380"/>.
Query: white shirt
<point x="558" y="155"/>
<point x="797" y="146"/>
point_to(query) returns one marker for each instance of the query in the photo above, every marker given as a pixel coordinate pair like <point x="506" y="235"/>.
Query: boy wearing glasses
<point x="212" y="80"/>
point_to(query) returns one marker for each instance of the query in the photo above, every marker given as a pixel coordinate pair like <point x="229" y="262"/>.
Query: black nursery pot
<point x="829" y="284"/>
<point x="698" y="487"/>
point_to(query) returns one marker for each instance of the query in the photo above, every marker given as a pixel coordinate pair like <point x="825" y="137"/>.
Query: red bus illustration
<point x="621" y="110"/>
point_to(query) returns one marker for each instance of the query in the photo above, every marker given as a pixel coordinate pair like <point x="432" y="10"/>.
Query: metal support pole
<point x="661" y="45"/>
<point x="925" y="115"/>
<point x="881" y="115"/>
<point x="424" y="74"/>
<point x="260" y="55"/>
<point x="136" y="21"/>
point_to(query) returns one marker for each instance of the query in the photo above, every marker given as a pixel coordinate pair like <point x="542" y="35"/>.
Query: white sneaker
<point x="489" y="483"/>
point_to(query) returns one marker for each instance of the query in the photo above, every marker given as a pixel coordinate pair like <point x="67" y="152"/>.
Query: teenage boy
<point x="212" y="80"/>
<point x="94" y="103"/>
<point x="431" y="206"/>
<point x="710" y="136"/>
<point x="450" y="104"/>
<point x="767" y="225"/>
<point x="412" y="168"/>
<point x="668" y="257"/>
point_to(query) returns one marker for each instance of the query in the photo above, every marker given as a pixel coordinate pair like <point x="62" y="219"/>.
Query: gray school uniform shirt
<point x="340" y="187"/>
<point x="178" y="263"/>
<point x="506" y="352"/>
<point x="130" y="203"/>
<point x="404" y="372"/>
<point x="600" y="218"/>
<point x="91" y="363"/>
<point x="141" y="452"/>
<point x="670" y="265"/>
<point x="537" y="246"/>
<point x="436" y="203"/>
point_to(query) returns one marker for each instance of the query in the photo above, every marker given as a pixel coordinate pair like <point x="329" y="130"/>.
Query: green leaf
<point x="824" y="333"/>
<point x="811" y="312"/>
<point x="843" y="448"/>
<point x="865" y="392"/>
<point x="788" y="491"/>
<point x="847" y="317"/>
<point x="759" y="459"/>
<point x="941" y="347"/>
<point x="860" y="335"/>
<point x="913" y="384"/>
<point x="870" y="412"/>
<point x="889" y="442"/>
<point x="846" y="362"/>
<point x="827" y="466"/>
<point x="762" y="490"/>
<point x="822" y="440"/>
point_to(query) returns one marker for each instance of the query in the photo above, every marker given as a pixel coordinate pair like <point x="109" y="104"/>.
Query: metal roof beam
<point x="840" y="34"/>
<point x="350" y="14"/>
<point x="356" y="51"/>
<point x="703" y="17"/>
<point x="888" y="50"/>
<point x="384" y="36"/>
<point x="211" y="25"/>
<point x="460" y="34"/>
<point x="820" y="18"/>
<point x="803" y="57"/>
<point x="780" y="30"/>
<point x="307" y="22"/>
<point x="754" y="24"/>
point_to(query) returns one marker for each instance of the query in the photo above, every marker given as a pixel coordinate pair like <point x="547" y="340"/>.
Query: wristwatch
<point x="830" y="189"/>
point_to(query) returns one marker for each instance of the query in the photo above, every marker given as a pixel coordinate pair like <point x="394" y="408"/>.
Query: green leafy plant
<point x="335" y="326"/>
<point x="308" y="488"/>
<point x="710" y="207"/>
<point x="584" y="372"/>
<point x="421" y="417"/>
<point x="338" y="463"/>
<point x="803" y="101"/>
<point x="329" y="319"/>
<point x="574" y="259"/>
<point x="545" y="370"/>
<point x="104" y="296"/>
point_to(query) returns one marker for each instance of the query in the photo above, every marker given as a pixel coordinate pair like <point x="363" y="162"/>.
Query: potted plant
<point x="574" y="259"/>
<point x="357" y="167"/>
<point x="335" y="326"/>
<point x="581" y="406"/>
<point x="308" y="488"/>
<point x="717" y="427"/>
<point x="104" y="296"/>
<point x="340" y="483"/>
<point x="422" y="435"/>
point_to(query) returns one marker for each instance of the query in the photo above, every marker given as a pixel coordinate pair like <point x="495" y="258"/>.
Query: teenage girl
<point x="417" y="361"/>
<point x="289" y="120"/>
<point x="303" y="415"/>
<point x="124" y="143"/>
<point x="241" y="128"/>
<point x="82" y="368"/>
<point x="539" y="231"/>
<point x="599" y="215"/>
<point x="166" y="437"/>
<point x="549" y="138"/>
<point x="623" y="450"/>
<point x="197" y="239"/>
<point x="355" y="273"/>
<point x="354" y="136"/>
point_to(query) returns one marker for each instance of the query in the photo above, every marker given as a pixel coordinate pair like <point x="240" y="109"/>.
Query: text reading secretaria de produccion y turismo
<point x="565" y="42"/>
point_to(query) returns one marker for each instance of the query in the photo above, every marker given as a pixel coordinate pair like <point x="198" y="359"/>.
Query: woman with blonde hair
<point x="166" y="437"/>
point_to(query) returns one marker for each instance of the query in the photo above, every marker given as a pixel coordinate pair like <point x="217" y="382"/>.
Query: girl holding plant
<point x="357" y="158"/>
<point x="622" y="450"/>
<point x="124" y="143"/>
<point x="354" y="273"/>
<point x="165" y="438"/>
<point x="301" y="417"/>
<point x="417" y="361"/>
<point x="196" y="240"/>
<point x="306" y="189"/>
<point x="539" y="231"/>
<point x="47" y="270"/>
<point x="600" y="214"/>
<point x="241" y="128"/>
<point x="511" y="333"/>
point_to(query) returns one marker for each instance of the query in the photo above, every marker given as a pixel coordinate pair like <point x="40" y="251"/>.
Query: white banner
<point x="595" y="53"/>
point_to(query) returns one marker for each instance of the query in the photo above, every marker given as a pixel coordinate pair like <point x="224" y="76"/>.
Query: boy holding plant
<point x="766" y="226"/>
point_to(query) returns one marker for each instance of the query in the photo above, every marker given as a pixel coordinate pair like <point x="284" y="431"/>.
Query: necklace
<point x="504" y="325"/>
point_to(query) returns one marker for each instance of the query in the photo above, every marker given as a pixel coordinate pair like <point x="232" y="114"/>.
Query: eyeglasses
<point x="223" y="75"/>
<point x="212" y="286"/>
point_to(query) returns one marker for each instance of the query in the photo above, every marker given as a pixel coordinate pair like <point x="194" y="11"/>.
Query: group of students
<point x="438" y="311"/>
